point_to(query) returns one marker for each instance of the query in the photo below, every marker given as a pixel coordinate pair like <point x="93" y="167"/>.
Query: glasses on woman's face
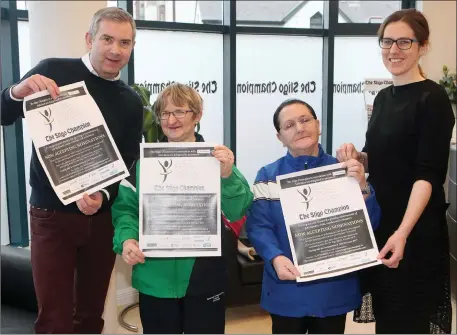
<point x="402" y="43"/>
<point x="291" y="124"/>
<point x="179" y="114"/>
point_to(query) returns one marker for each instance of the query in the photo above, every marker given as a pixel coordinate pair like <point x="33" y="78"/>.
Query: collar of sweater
<point x="198" y="138"/>
<point x="301" y="162"/>
<point x="88" y="64"/>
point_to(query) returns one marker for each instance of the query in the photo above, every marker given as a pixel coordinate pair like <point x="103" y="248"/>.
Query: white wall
<point x="441" y="16"/>
<point x="45" y="22"/>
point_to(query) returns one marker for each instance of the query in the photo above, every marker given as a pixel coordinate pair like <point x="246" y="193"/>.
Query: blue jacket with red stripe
<point x="267" y="232"/>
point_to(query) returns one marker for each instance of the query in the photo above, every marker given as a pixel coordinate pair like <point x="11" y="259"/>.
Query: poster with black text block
<point x="179" y="198"/>
<point x="327" y="223"/>
<point x="73" y="142"/>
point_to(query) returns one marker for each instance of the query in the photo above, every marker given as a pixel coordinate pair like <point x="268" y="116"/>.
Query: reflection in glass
<point x="356" y="11"/>
<point x="207" y="12"/>
<point x="21" y="5"/>
<point x="285" y="14"/>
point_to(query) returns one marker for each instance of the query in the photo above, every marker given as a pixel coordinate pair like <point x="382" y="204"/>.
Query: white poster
<point x="180" y="213"/>
<point x="327" y="222"/>
<point x="73" y="142"/>
<point x="371" y="90"/>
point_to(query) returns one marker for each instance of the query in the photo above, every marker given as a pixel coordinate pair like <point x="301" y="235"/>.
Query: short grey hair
<point x="113" y="14"/>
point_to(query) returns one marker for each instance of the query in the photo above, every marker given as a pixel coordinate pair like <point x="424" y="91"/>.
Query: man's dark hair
<point x="288" y="103"/>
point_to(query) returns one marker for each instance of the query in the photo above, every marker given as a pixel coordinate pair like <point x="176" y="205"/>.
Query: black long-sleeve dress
<point x="408" y="139"/>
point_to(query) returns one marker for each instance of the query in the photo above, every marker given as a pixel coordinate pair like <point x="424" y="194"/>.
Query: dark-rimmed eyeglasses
<point x="402" y="43"/>
<point x="179" y="114"/>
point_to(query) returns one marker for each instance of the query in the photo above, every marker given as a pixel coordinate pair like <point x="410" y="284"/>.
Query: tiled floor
<point x="253" y="320"/>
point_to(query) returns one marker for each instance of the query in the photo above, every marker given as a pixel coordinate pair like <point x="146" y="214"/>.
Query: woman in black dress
<point x="406" y="155"/>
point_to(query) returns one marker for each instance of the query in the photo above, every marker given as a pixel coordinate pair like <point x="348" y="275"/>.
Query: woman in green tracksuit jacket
<point x="179" y="295"/>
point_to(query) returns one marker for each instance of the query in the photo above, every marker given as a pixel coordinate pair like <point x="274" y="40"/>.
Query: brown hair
<point x="180" y="95"/>
<point x="415" y="20"/>
<point x="113" y="14"/>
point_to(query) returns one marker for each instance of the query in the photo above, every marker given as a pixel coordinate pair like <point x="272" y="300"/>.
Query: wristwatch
<point x="366" y="189"/>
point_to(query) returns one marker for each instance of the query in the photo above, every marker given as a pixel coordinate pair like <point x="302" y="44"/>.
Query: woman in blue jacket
<point x="313" y="307"/>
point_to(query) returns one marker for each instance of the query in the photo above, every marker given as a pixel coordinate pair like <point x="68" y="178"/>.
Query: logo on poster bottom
<point x="306" y="194"/>
<point x="166" y="166"/>
<point x="47" y="114"/>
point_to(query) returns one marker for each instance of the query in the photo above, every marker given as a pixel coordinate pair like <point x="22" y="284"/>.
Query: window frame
<point x="12" y="135"/>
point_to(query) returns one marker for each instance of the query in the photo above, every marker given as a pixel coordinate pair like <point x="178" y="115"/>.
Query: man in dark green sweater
<point x="72" y="256"/>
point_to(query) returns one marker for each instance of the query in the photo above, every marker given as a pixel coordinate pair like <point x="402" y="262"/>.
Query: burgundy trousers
<point x="72" y="260"/>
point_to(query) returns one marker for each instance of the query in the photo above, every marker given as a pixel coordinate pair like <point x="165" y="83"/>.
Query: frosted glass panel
<point x="271" y="69"/>
<point x="195" y="59"/>
<point x="356" y="59"/>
